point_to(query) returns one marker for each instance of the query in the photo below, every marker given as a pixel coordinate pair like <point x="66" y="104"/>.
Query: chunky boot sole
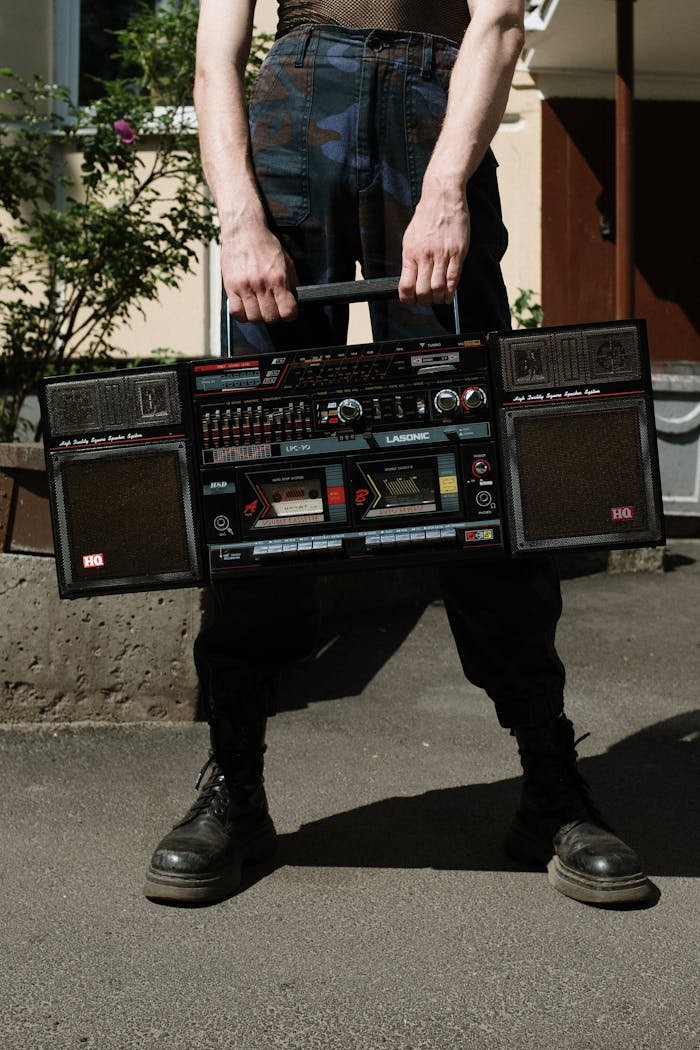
<point x="589" y="889"/>
<point x="196" y="889"/>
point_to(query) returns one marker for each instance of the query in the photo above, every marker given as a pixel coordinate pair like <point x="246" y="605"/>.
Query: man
<point x="368" y="139"/>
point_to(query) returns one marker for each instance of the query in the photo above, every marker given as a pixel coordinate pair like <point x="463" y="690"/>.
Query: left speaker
<point x="120" y="467"/>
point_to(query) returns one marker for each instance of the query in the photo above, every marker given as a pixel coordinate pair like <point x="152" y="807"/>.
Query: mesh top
<point x="448" y="18"/>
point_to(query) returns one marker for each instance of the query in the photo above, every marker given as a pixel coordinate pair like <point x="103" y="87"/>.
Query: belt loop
<point x="303" y="45"/>
<point x="426" y="66"/>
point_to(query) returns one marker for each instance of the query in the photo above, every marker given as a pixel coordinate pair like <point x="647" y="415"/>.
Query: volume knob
<point x="349" y="409"/>
<point x="473" y="397"/>
<point x="446" y="400"/>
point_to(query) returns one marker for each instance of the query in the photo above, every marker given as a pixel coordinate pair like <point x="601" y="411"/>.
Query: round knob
<point x="473" y="397"/>
<point x="349" y="409"/>
<point x="446" y="400"/>
<point x="481" y="467"/>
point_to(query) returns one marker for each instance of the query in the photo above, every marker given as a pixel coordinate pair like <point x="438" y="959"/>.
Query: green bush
<point x="100" y="208"/>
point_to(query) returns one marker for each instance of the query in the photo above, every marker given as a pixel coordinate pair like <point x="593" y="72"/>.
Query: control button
<point x="349" y="409"/>
<point x="483" y="499"/>
<point x="417" y="536"/>
<point x="289" y="546"/>
<point x="473" y="397"/>
<point x="481" y="467"/>
<point x="388" y="539"/>
<point x="446" y="400"/>
<point x="319" y="545"/>
<point x="305" y="545"/>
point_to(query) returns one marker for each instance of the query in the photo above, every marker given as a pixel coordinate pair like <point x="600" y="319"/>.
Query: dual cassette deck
<point x="324" y="457"/>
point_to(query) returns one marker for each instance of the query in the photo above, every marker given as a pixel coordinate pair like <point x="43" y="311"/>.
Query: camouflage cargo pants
<point x="342" y="126"/>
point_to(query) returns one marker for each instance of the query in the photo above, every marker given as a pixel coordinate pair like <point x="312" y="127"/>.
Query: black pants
<point x="342" y="126"/>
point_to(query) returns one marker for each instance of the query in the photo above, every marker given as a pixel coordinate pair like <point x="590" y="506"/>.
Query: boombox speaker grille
<point x="580" y="477"/>
<point x="124" y="519"/>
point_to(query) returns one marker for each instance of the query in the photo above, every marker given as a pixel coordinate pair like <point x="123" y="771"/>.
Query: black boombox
<point x="353" y="457"/>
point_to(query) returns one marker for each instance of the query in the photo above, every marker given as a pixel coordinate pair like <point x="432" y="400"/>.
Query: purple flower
<point x="125" y="131"/>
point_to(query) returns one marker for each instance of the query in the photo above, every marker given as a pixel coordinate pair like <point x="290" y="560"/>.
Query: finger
<point x="267" y="304"/>
<point x="454" y="272"/>
<point x="438" y="281"/>
<point x="251" y="306"/>
<point x="235" y="306"/>
<point x="424" y="291"/>
<point x="286" y="304"/>
<point x="407" y="280"/>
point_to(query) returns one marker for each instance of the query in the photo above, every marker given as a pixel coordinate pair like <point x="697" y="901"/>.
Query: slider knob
<point x="349" y="409"/>
<point x="446" y="400"/>
<point x="473" y="397"/>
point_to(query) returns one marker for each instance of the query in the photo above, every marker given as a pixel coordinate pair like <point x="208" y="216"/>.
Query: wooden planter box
<point x="25" y="520"/>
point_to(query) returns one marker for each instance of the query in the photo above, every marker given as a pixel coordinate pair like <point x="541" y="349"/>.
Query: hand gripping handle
<point x="370" y="290"/>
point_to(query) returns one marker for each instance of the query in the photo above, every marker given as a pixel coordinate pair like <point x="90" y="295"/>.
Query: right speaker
<point x="578" y="447"/>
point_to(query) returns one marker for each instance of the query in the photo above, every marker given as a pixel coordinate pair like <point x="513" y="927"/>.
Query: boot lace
<point x="212" y="793"/>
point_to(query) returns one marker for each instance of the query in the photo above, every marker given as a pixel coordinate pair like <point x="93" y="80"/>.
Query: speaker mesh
<point x="579" y="476"/>
<point x="90" y="405"/>
<point x="557" y="357"/>
<point x="125" y="517"/>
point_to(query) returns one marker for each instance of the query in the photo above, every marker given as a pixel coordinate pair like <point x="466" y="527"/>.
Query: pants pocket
<point x="279" y="116"/>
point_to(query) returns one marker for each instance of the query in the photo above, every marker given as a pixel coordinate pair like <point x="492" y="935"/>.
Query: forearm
<point x="478" y="93"/>
<point x="223" y="45"/>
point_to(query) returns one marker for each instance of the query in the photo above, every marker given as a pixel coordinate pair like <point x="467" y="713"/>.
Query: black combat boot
<point x="227" y="825"/>
<point x="558" y="825"/>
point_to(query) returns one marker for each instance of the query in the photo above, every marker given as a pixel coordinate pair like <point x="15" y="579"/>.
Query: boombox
<point x="344" y="458"/>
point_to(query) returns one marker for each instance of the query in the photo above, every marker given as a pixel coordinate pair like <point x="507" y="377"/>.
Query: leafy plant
<point x="525" y="311"/>
<point x="100" y="208"/>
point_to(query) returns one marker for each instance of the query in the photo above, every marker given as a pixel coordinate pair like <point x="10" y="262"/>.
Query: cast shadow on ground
<point x="352" y="650"/>
<point x="646" y="785"/>
<point x="356" y="641"/>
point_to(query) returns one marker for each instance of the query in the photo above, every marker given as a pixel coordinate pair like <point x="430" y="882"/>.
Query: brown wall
<point x="578" y="193"/>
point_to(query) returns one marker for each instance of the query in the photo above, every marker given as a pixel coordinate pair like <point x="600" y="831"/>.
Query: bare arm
<point x="436" y="241"/>
<point x="257" y="273"/>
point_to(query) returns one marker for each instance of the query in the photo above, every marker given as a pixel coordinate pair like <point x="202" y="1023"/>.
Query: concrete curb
<point x="128" y="658"/>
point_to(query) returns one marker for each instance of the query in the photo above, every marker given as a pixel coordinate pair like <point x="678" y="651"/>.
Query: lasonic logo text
<point x="423" y="436"/>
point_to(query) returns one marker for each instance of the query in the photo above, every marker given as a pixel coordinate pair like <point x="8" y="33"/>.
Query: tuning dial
<point x="349" y="409"/>
<point x="473" y="397"/>
<point x="446" y="400"/>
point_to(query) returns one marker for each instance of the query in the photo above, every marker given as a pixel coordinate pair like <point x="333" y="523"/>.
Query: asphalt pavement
<point x="390" y="918"/>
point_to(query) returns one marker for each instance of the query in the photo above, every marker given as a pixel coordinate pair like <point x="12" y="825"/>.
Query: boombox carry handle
<point x="373" y="289"/>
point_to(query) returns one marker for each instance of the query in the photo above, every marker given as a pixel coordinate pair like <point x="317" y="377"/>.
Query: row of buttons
<point x="385" y="538"/>
<point x="325" y="543"/>
<point x="430" y="535"/>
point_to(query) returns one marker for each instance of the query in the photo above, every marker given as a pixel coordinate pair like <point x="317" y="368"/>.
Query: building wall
<point x="26" y="36"/>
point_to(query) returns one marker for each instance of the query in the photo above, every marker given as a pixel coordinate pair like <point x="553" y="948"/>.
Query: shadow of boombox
<point x="495" y="445"/>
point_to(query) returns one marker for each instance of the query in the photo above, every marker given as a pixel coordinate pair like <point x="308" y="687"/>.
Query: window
<point x="98" y="21"/>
